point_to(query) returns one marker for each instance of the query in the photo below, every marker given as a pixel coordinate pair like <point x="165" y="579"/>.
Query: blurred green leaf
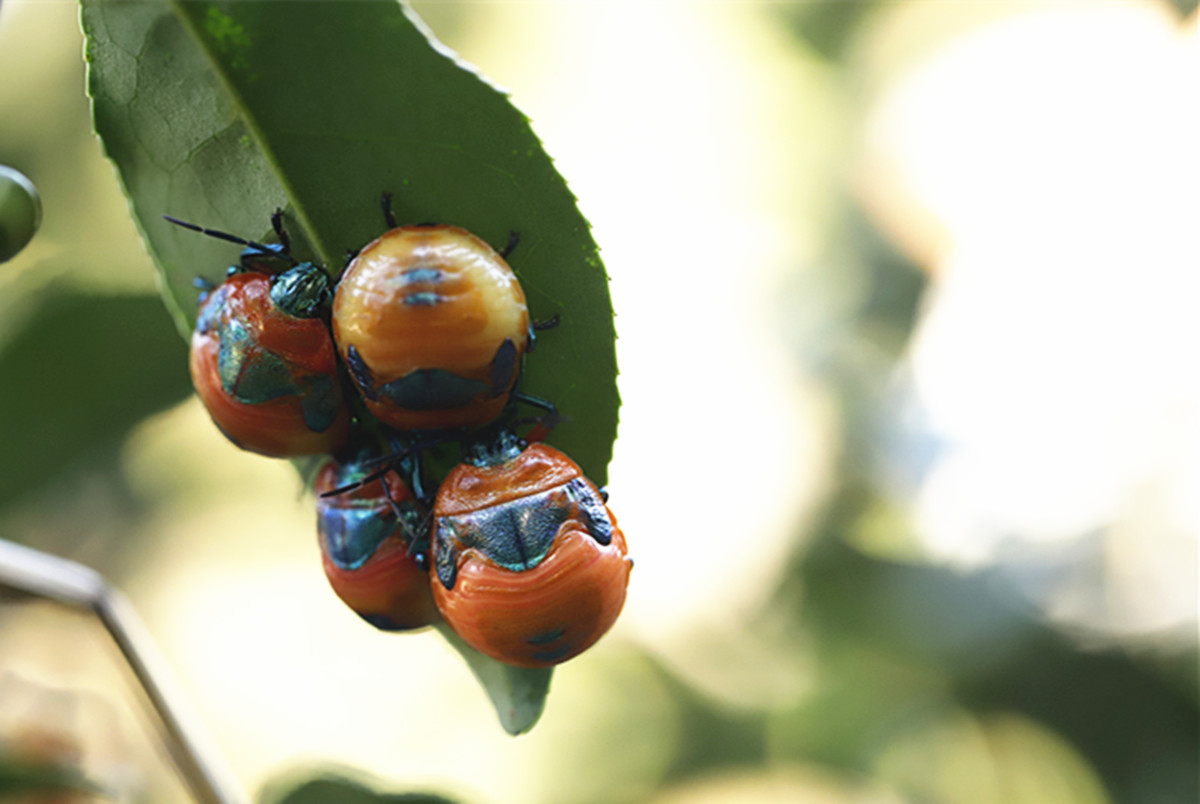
<point x="344" y="791"/>
<point x="1184" y="8"/>
<point x="80" y="374"/>
<point x="903" y="641"/>
<point x="829" y="26"/>
<point x="220" y="112"/>
<point x="25" y="780"/>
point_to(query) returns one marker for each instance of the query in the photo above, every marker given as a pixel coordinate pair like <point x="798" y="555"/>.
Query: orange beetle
<point x="264" y="365"/>
<point x="373" y="547"/>
<point x="432" y="323"/>
<point x="529" y="565"/>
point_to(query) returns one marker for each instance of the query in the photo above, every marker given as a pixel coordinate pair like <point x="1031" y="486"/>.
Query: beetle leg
<point x="537" y="402"/>
<point x="513" y="239"/>
<point x="277" y="225"/>
<point x="549" y="323"/>
<point x="545" y="423"/>
<point x="385" y="203"/>
<point x="536" y="326"/>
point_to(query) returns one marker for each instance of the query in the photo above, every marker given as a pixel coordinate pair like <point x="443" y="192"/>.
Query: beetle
<point x="262" y="359"/>
<point x="432" y="323"/>
<point x="529" y="565"/>
<point x="374" y="546"/>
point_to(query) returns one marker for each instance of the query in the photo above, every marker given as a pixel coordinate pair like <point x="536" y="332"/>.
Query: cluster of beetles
<point x="419" y="343"/>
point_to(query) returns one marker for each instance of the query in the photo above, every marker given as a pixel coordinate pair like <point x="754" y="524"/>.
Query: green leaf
<point x="80" y="373"/>
<point x="218" y="113"/>
<point x="517" y="693"/>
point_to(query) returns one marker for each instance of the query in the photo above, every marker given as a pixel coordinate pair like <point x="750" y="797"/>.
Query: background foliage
<point x="867" y="668"/>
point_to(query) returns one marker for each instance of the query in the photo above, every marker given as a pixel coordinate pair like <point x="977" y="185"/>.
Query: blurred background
<point x="908" y="451"/>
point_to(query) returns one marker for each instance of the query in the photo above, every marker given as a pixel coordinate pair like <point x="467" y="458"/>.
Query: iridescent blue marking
<point x="206" y="288"/>
<point x="353" y="534"/>
<point x="210" y="314"/>
<point x="249" y="373"/>
<point x="414" y="275"/>
<point x="253" y="375"/>
<point x="302" y="291"/>
<point x="424" y="298"/>
<point x="233" y="342"/>
<point x="517" y="535"/>
<point x="352" y="528"/>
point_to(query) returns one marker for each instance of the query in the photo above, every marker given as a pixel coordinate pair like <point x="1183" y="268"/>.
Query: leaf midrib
<point x="298" y="210"/>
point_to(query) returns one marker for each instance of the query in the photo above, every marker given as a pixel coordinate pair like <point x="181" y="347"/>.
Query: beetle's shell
<point x="530" y="567"/>
<point x="368" y="555"/>
<point x="432" y="324"/>
<point x="269" y="380"/>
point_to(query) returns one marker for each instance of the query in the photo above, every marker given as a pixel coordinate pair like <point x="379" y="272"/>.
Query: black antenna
<point x="371" y="478"/>
<point x="241" y="241"/>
